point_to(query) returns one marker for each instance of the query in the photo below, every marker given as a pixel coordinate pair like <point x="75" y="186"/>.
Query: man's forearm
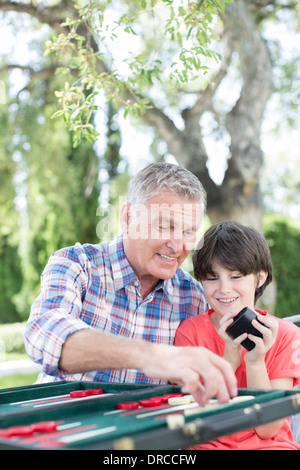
<point x="88" y="350"/>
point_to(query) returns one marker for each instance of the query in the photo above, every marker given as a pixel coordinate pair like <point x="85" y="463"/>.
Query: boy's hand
<point x="268" y="329"/>
<point x="233" y="348"/>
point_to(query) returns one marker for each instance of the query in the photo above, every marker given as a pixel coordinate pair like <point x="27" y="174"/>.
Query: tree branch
<point x="41" y="74"/>
<point x="51" y="15"/>
<point x="259" y="4"/>
<point x="163" y="125"/>
<point x="205" y="97"/>
<point x="255" y="5"/>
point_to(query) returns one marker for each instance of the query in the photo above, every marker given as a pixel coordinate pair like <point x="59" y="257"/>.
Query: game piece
<point x="198" y="409"/>
<point x="148" y="403"/>
<point x="209" y="406"/>
<point x="192" y="399"/>
<point x="79" y="393"/>
<point x="4" y="433"/>
<point x="95" y="391"/>
<point x="214" y="404"/>
<point x="44" y="426"/>
<point x="156" y="398"/>
<point x="128" y="405"/>
<point x="20" y="431"/>
<point x="241" y="398"/>
<point x="165" y="397"/>
<point x="179" y="400"/>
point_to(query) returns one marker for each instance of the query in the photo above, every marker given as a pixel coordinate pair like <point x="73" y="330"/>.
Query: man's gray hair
<point x="158" y="178"/>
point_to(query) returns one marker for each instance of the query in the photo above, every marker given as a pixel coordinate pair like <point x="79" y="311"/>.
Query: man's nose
<point x="175" y="242"/>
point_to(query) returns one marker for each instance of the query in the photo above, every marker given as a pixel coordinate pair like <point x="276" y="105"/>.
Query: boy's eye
<point x="211" y="278"/>
<point x="215" y="278"/>
<point x="237" y="276"/>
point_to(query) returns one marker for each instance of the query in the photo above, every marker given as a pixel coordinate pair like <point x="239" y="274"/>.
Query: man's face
<point x="159" y="235"/>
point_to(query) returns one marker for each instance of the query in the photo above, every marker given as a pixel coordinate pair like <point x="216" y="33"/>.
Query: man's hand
<point x="196" y="369"/>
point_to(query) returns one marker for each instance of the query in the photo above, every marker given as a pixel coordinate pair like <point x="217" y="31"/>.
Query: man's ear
<point x="125" y="217"/>
<point x="261" y="278"/>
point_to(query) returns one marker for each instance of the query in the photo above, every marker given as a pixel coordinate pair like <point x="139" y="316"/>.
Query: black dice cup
<point x="243" y="324"/>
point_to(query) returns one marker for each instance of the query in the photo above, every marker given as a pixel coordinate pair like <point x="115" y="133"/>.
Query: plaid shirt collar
<point x="123" y="273"/>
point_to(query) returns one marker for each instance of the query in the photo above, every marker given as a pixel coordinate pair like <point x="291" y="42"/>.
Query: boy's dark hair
<point x="237" y="248"/>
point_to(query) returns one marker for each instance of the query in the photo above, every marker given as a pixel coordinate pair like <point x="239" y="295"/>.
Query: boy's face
<point x="230" y="291"/>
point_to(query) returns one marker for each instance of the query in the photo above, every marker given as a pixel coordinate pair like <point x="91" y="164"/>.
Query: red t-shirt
<point x="282" y="360"/>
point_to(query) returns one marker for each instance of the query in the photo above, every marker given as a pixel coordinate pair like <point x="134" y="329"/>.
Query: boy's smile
<point x="228" y="301"/>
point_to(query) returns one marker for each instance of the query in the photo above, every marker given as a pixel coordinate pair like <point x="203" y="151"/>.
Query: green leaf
<point x="57" y="114"/>
<point x="199" y="5"/>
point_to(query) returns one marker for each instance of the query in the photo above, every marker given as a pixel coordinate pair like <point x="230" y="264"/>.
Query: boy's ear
<point x="261" y="278"/>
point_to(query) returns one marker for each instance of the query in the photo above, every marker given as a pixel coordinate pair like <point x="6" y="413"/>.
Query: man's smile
<point x="167" y="258"/>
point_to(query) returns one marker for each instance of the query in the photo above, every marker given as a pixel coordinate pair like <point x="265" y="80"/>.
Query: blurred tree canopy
<point x="51" y="193"/>
<point x="198" y="74"/>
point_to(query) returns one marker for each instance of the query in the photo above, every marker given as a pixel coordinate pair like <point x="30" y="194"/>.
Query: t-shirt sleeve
<point x="181" y="339"/>
<point x="189" y="333"/>
<point x="286" y="360"/>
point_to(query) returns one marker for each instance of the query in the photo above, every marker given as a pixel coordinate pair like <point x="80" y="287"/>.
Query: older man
<point x="109" y="312"/>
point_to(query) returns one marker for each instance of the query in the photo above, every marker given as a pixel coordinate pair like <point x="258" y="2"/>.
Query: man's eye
<point x="189" y="233"/>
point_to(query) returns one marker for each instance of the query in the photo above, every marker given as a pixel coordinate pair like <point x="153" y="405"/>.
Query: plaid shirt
<point x="94" y="286"/>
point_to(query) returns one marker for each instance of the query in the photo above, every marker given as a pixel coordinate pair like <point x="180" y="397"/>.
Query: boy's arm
<point x="257" y="377"/>
<point x="256" y="370"/>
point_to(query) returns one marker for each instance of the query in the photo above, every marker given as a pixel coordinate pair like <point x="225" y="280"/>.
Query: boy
<point x="234" y="266"/>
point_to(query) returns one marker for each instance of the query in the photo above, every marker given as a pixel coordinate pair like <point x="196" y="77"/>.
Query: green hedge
<point x="12" y="338"/>
<point x="283" y="236"/>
